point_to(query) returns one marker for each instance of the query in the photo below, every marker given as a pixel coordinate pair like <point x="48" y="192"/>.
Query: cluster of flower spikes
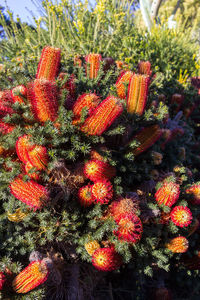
<point x="32" y="156"/>
<point x="32" y="276"/>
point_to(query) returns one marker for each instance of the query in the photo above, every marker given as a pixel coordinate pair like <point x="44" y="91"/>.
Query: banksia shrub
<point x="23" y="146"/>
<point x="38" y="157"/>
<point x="94" y="64"/>
<point x="121" y="83"/>
<point x="102" y="191"/>
<point x="181" y="216"/>
<point x="88" y="101"/>
<point x="144" y="67"/>
<point x="106" y="259"/>
<point x="42" y="95"/>
<point x="18" y="93"/>
<point x="31" y="193"/>
<point x="129" y="228"/>
<point x="91" y="247"/>
<point x="178" y="244"/>
<point x="49" y="63"/>
<point x="103" y="116"/>
<point x="195" y="191"/>
<point x="85" y="196"/>
<point x="32" y="276"/>
<point x="167" y="194"/>
<point x="97" y="170"/>
<point x="137" y="94"/>
<point x="146" y="138"/>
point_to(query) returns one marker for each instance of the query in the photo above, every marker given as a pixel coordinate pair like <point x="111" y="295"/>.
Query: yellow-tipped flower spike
<point x="91" y="246"/>
<point x="94" y="64"/>
<point x="121" y="82"/>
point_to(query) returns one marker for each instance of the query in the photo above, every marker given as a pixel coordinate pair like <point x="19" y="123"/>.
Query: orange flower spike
<point x="195" y="191"/>
<point x="32" y="276"/>
<point x="167" y="194"/>
<point x="94" y="64"/>
<point x="144" y="67"/>
<point x="85" y="196"/>
<point x="121" y="81"/>
<point x="137" y="94"/>
<point x="38" y="157"/>
<point x="91" y="246"/>
<point x="97" y="170"/>
<point x="102" y="191"/>
<point x="147" y="137"/>
<point x="129" y="228"/>
<point x="23" y="146"/>
<point x="43" y="97"/>
<point x="103" y="116"/>
<point x="181" y="216"/>
<point x="49" y="63"/>
<point x="18" y="93"/>
<point x="106" y="259"/>
<point x="89" y="101"/>
<point x="178" y="244"/>
<point x="33" y="175"/>
<point x="31" y="193"/>
<point x="124" y="207"/>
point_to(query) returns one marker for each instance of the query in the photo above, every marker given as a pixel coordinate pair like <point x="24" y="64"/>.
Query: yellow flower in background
<point x="183" y="77"/>
<point x="100" y="7"/>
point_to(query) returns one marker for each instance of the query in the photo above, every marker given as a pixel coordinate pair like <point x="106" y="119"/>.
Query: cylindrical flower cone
<point x="31" y="193"/>
<point x="49" y="63"/>
<point x="102" y="191"/>
<point x="178" y="244"/>
<point x="18" y="93"/>
<point x="106" y="259"/>
<point x="123" y="80"/>
<point x="98" y="170"/>
<point x="167" y="194"/>
<point x="43" y="97"/>
<point x="181" y="216"/>
<point x="94" y="64"/>
<point x="144" y="67"/>
<point x="146" y="137"/>
<point x="28" y="170"/>
<point x="137" y="94"/>
<point x="23" y="146"/>
<point x="195" y="191"/>
<point x="129" y="228"/>
<point x="91" y="246"/>
<point x="38" y="157"/>
<point x="103" y="116"/>
<point x="89" y="101"/>
<point x="32" y="276"/>
<point x="85" y="196"/>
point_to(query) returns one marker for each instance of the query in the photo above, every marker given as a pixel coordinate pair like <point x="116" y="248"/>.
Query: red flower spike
<point x="6" y="128"/>
<point x="38" y="157"/>
<point x="89" y="101"/>
<point x="32" y="276"/>
<point x="103" y="116"/>
<point x="18" y="93"/>
<point x="85" y="196"/>
<point x="178" y="245"/>
<point x="121" y="81"/>
<point x="6" y="102"/>
<point x="124" y="207"/>
<point x="181" y="216"/>
<point x="49" y="63"/>
<point x="43" y="97"/>
<point x="146" y="137"/>
<point x="195" y="191"/>
<point x="94" y="64"/>
<point x="2" y="280"/>
<point x="29" y="192"/>
<point x="137" y="94"/>
<point x="33" y="175"/>
<point x="23" y="146"/>
<point x="102" y="191"/>
<point x="168" y="194"/>
<point x="97" y="170"/>
<point x="144" y="67"/>
<point x="130" y="229"/>
<point x="106" y="259"/>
